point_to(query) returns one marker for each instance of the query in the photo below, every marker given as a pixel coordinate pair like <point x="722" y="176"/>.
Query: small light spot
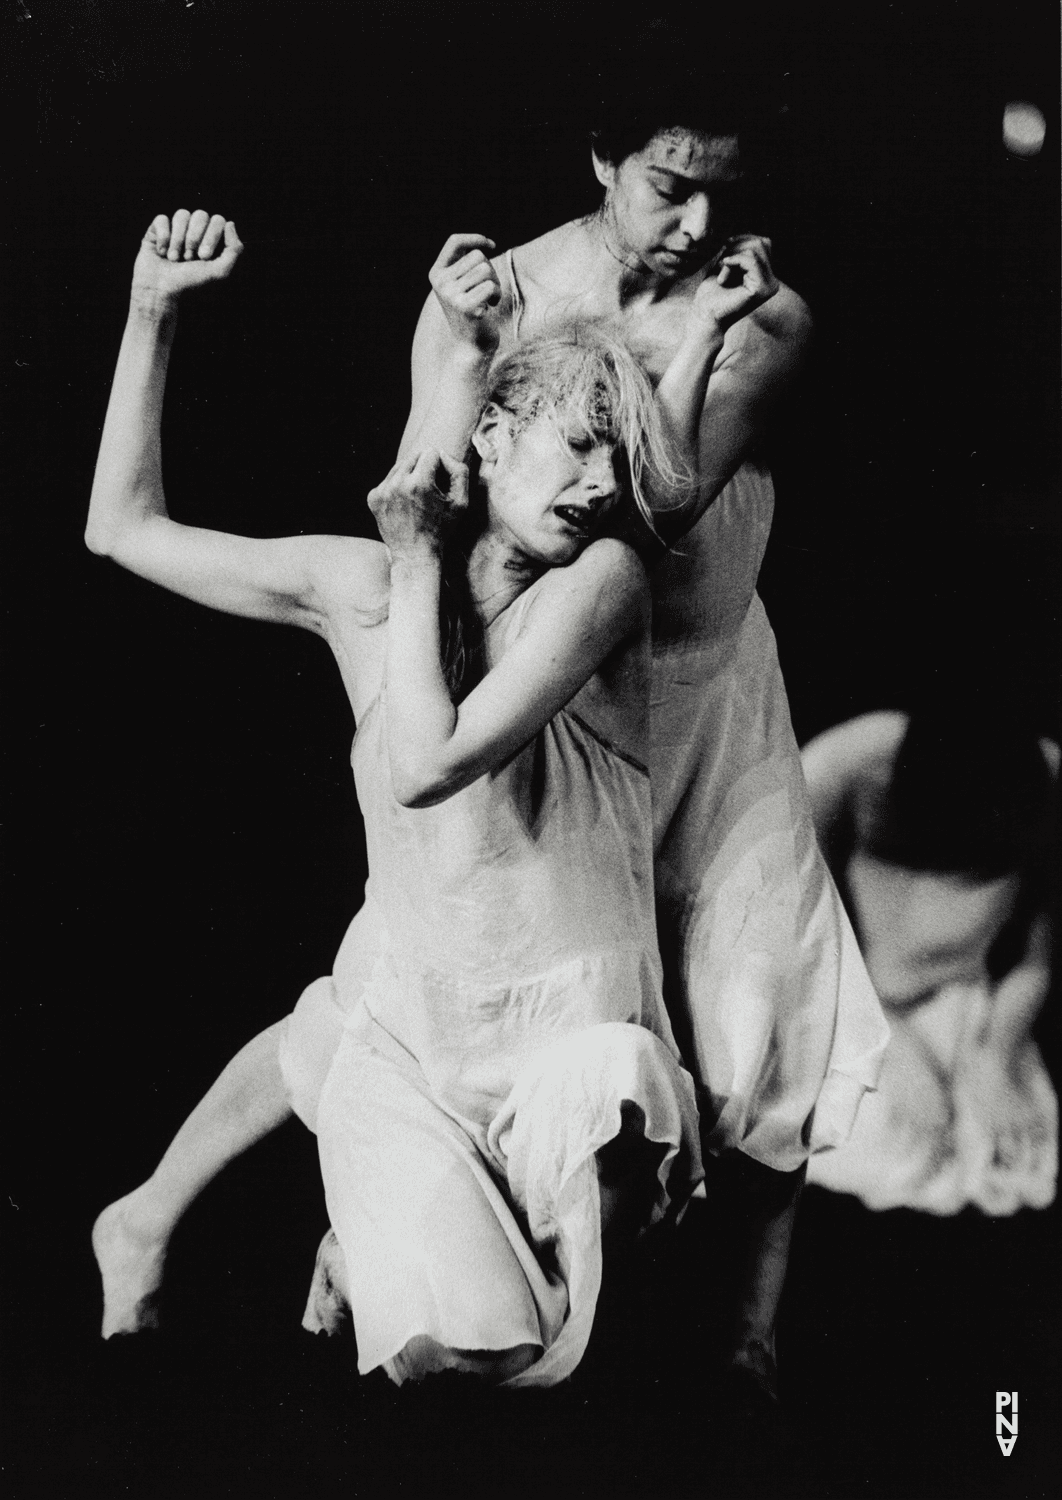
<point x="1024" y="128"/>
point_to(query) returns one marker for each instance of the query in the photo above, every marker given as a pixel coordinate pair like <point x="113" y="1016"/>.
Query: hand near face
<point x="184" y="252"/>
<point x="741" y="281"/>
<point x="413" y="512"/>
<point x="468" y="290"/>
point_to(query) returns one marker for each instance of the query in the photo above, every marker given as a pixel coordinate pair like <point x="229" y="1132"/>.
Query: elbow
<point x="115" y="537"/>
<point x="98" y="540"/>
<point x="421" y="785"/>
<point x="417" y="792"/>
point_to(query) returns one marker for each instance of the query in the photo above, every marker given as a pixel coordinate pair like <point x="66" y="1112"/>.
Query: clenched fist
<point x="184" y="252"/>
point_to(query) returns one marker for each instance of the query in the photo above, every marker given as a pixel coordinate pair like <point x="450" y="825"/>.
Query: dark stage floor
<point x="896" y="1331"/>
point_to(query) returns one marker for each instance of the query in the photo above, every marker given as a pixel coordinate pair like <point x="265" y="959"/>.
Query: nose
<point x="599" y="482"/>
<point x="696" y="216"/>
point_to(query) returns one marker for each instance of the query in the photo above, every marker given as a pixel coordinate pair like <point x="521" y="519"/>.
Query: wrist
<point x="423" y="564"/>
<point x="704" y="332"/>
<point x="148" y="305"/>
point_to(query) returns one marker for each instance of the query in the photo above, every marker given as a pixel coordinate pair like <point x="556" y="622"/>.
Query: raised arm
<point x="583" y="613"/>
<point x="284" y="580"/>
<point x="745" y="338"/>
<point x="455" y="341"/>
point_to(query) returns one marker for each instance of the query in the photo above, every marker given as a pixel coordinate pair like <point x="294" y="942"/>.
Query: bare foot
<point x="328" y="1307"/>
<point x="131" y="1260"/>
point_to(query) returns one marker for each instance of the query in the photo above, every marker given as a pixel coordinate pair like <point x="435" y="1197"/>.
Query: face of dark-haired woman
<point x="666" y="206"/>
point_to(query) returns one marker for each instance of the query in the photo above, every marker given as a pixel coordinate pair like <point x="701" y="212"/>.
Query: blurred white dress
<point x="958" y="1120"/>
<point x="770" y="999"/>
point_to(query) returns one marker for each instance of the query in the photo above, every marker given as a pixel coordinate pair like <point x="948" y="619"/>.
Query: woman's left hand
<point x="468" y="290"/>
<point x="413" y="513"/>
<point x="741" y="280"/>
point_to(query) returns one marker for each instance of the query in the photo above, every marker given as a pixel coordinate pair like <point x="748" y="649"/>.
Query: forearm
<point x="455" y="405"/>
<point x="127" y="487"/>
<point x="680" y="400"/>
<point x="420" y="714"/>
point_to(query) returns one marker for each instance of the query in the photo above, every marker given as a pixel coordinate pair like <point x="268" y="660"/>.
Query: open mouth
<point x="578" y="520"/>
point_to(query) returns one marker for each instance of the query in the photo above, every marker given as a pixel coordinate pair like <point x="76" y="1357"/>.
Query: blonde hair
<point x="583" y="379"/>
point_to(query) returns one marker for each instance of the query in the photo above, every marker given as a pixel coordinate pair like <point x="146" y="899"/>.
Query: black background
<point x="183" y="849"/>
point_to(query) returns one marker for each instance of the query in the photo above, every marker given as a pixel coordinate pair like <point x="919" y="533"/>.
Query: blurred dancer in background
<point x="939" y="826"/>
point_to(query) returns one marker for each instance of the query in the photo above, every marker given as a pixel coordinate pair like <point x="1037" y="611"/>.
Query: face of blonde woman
<point x="549" y="489"/>
<point x="666" y="205"/>
<point x="922" y="930"/>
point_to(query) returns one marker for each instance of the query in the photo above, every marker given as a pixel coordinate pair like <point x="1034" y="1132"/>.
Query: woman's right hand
<point x="183" y="252"/>
<point x="740" y="279"/>
<point x="412" y="512"/>
<point x="468" y="290"/>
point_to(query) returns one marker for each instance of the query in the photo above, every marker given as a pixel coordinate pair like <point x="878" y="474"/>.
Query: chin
<point x="566" y="551"/>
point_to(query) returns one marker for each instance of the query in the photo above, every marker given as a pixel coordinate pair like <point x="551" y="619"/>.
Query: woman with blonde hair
<point x="506" y="1087"/>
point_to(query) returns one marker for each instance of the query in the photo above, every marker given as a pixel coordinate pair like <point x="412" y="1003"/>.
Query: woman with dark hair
<point x="939" y="826"/>
<point x="495" y="651"/>
<point x="765" y="987"/>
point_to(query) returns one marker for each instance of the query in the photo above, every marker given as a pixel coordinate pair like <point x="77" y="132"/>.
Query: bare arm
<point x="835" y="760"/>
<point x="583" y="613"/>
<point x="714" y="400"/>
<point x="288" y="580"/>
<point x="453" y="347"/>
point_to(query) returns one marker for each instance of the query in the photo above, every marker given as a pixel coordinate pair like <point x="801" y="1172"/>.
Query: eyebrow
<point x="667" y="172"/>
<point x="694" y="182"/>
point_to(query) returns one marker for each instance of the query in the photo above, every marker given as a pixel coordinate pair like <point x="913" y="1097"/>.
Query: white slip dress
<point x="512" y="1008"/>
<point x="768" y="994"/>
<point x="767" y="990"/>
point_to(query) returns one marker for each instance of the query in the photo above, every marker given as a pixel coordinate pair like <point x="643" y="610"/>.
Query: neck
<point x="498" y="573"/>
<point x="618" y="270"/>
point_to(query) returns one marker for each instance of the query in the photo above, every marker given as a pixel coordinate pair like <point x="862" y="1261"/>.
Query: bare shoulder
<point x="612" y="558"/>
<point x="786" y="316"/>
<point x="608" y="577"/>
<point x="776" y="335"/>
<point x="351" y="576"/>
<point x="545" y="262"/>
<point x="859" y="746"/>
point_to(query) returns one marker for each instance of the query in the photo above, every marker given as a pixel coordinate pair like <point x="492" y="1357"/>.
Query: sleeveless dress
<point x="766" y="988"/>
<point x="770" y="1000"/>
<point x="513" y="1007"/>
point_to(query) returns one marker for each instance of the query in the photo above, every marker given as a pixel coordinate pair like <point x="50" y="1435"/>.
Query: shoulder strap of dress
<point x="516" y="299"/>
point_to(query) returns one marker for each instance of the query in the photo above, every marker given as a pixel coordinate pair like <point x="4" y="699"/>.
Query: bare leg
<point x="767" y="1205"/>
<point x="131" y="1236"/>
<point x="627" y="1179"/>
